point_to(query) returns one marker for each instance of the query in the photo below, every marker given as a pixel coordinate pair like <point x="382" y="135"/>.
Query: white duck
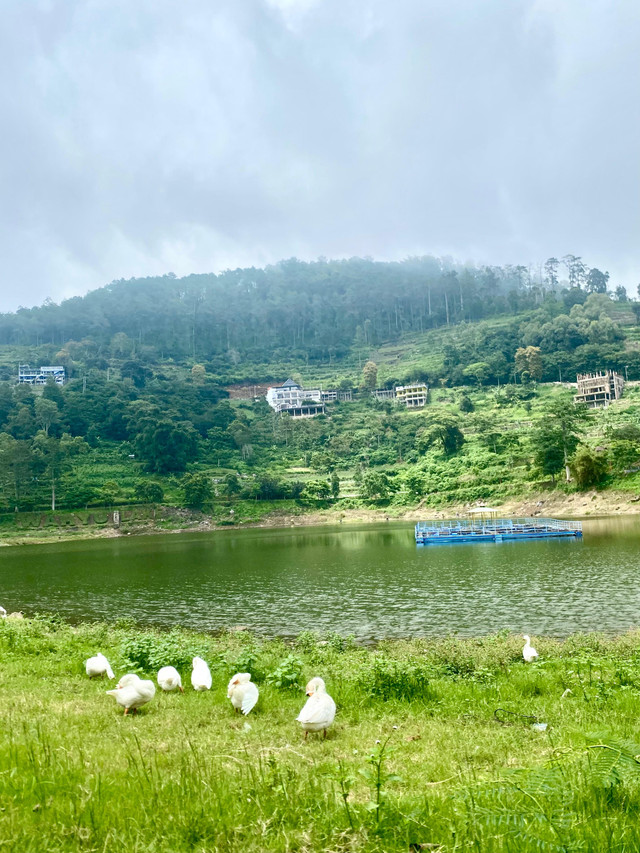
<point x="528" y="653"/>
<point x="132" y="692"/>
<point x="200" y="675"/>
<point x="98" y="665"/>
<point x="319" y="710"/>
<point x="242" y="692"/>
<point x="169" y="679"/>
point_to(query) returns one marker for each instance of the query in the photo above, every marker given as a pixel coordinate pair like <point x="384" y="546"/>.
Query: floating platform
<point x="495" y="530"/>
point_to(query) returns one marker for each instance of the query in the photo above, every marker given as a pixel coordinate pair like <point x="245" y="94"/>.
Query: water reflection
<point x="371" y="581"/>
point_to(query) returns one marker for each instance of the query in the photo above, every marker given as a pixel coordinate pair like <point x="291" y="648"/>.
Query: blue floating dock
<point x="495" y="530"/>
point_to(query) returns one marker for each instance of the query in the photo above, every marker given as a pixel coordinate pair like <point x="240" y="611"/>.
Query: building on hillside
<point x="599" y="389"/>
<point x="384" y="393"/>
<point x="296" y="401"/>
<point x="412" y="396"/>
<point x="31" y="376"/>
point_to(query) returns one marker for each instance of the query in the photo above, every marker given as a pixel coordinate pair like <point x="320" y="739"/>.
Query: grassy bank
<point x="420" y="758"/>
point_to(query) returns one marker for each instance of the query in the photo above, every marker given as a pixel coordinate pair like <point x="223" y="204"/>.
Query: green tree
<point x="51" y="459"/>
<point x="479" y="370"/>
<point x="370" y="376"/>
<point x="466" y="404"/>
<point x="47" y="414"/>
<point x="551" y="272"/>
<point x="416" y="483"/>
<point x="317" y="490"/>
<point x="335" y="486"/>
<point x="597" y="281"/>
<point x="16" y="463"/>
<point x="442" y="429"/>
<point x="109" y="491"/>
<point x="375" y="486"/>
<point x="197" y="490"/>
<point x="231" y="484"/>
<point x="529" y="359"/>
<point x="621" y="293"/>
<point x="557" y="437"/>
<point x="589" y="468"/>
<point x="148" y="492"/>
<point x="166" y="446"/>
<point x="198" y="373"/>
<point x="625" y="455"/>
<point x="568" y="419"/>
<point x="547" y="444"/>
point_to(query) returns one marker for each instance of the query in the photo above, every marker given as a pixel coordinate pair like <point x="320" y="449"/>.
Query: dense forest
<point x="146" y="414"/>
<point x="308" y="311"/>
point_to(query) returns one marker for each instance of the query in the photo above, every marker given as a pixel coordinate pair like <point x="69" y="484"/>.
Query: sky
<point x="140" y="138"/>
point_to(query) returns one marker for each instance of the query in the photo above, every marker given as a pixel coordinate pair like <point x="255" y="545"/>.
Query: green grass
<point x="417" y="755"/>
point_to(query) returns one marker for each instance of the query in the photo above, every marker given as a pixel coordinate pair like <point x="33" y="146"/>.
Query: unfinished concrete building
<point x="599" y="389"/>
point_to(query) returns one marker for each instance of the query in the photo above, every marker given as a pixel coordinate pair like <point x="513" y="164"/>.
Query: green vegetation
<point x="437" y="745"/>
<point x="153" y="413"/>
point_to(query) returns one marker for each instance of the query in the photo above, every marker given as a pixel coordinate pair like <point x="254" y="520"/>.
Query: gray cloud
<point x="140" y="138"/>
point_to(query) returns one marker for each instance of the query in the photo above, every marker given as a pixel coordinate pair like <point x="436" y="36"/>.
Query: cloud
<point x="148" y="137"/>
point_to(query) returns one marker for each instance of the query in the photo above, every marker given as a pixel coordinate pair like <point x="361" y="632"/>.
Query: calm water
<point x="371" y="581"/>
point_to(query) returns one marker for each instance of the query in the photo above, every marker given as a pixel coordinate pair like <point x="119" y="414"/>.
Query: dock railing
<point x="493" y="525"/>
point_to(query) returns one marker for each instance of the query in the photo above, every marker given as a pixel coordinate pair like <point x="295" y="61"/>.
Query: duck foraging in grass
<point x="242" y="692"/>
<point x="528" y="653"/>
<point x="319" y="711"/>
<point x="133" y="692"/>
<point x="200" y="675"/>
<point x="98" y="665"/>
<point x="169" y="679"/>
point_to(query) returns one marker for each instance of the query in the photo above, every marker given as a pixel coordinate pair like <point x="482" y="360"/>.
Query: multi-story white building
<point x="33" y="376"/>
<point x="412" y="396"/>
<point x="290" y="397"/>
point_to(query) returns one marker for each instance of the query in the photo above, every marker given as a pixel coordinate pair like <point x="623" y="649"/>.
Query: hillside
<point x="151" y="416"/>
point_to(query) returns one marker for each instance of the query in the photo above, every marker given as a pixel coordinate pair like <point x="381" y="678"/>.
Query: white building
<point x="290" y="397"/>
<point x="412" y="396"/>
<point x="31" y="376"/>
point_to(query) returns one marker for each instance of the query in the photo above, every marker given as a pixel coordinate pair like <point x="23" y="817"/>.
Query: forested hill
<point x="311" y="311"/>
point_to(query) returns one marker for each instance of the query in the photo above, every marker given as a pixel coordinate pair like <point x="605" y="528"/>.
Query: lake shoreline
<point x="591" y="504"/>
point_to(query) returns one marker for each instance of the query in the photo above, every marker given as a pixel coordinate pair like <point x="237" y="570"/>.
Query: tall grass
<point x="417" y="759"/>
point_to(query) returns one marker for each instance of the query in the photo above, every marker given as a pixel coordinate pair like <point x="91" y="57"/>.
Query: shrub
<point x="149" y="651"/>
<point x="288" y="673"/>
<point x="246" y="661"/>
<point x="387" y="678"/>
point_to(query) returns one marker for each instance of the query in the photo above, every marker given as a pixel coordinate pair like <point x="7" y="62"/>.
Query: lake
<point x="371" y="581"/>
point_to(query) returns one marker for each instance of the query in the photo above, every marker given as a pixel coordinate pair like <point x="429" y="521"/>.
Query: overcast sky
<point x="152" y="136"/>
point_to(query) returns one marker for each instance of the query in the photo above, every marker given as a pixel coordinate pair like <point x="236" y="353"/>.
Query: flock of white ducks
<point x="132" y="692"/>
<point x="317" y="715"/>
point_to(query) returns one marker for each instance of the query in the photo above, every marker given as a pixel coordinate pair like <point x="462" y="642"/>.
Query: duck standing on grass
<point x="98" y="666"/>
<point x="319" y="710"/>
<point x="200" y="675"/>
<point x="528" y="653"/>
<point x="242" y="692"/>
<point x="132" y="692"/>
<point x="169" y="679"/>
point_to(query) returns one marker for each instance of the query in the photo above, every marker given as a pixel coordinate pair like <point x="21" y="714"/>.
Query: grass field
<point x="434" y="745"/>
